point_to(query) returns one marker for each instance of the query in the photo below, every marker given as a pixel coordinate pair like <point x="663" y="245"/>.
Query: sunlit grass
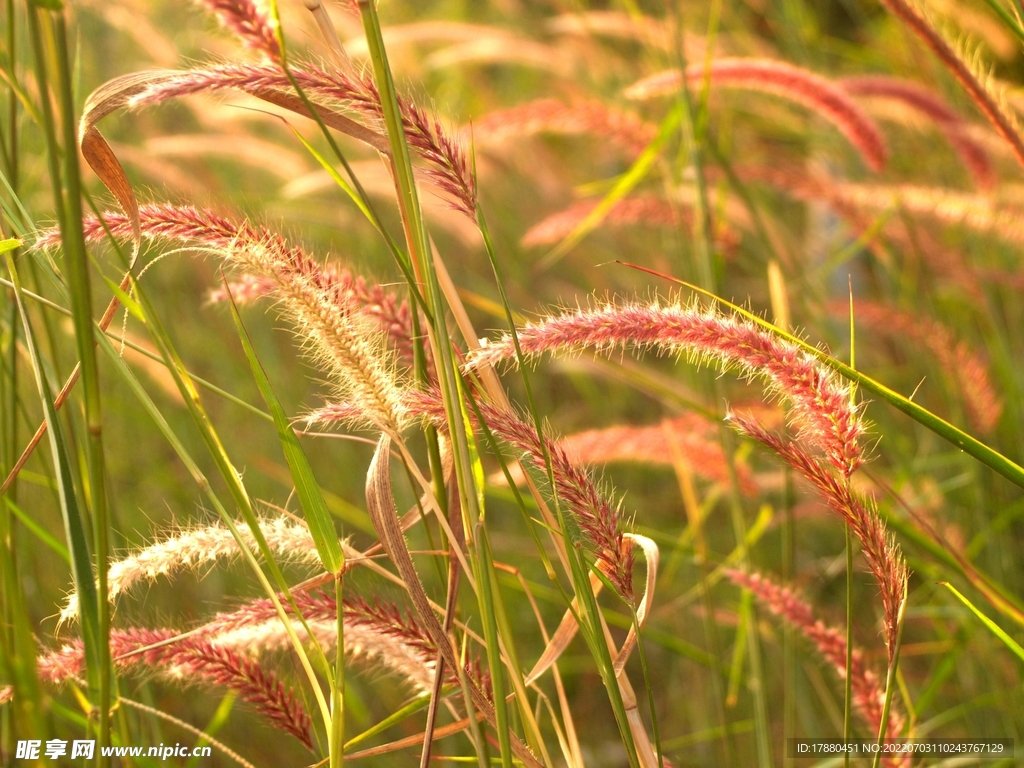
<point x="492" y="506"/>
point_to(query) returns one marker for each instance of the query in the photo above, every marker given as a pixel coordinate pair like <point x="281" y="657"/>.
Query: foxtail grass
<point x="426" y="586"/>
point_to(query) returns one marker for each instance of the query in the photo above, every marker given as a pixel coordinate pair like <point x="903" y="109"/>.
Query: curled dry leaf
<point x="380" y="504"/>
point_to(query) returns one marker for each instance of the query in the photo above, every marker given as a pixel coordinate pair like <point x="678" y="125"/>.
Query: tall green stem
<point x="890" y="684"/>
<point x="848" y="695"/>
<point x="448" y="377"/>
<point x="337" y="738"/>
<point x="66" y="183"/>
<point x="77" y="261"/>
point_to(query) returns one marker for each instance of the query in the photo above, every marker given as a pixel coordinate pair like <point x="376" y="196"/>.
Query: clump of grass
<point x="404" y="368"/>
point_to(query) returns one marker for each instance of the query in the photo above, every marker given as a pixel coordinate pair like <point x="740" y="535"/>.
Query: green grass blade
<point x="337" y="178"/>
<point x="74" y="527"/>
<point x="336" y="736"/>
<point x="890" y="682"/>
<point x="623" y="186"/>
<point x="739" y="649"/>
<point x="485" y="577"/>
<point x="321" y="526"/>
<point x="39" y="532"/>
<point x="992" y="627"/>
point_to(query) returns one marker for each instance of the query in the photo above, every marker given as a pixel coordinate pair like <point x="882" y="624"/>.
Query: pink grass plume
<point x="883" y="555"/>
<point x="447" y="164"/>
<point x="867" y="690"/>
<point x="931" y="105"/>
<point x="822" y="408"/>
<point x="801" y="86"/>
<point x="248" y="21"/>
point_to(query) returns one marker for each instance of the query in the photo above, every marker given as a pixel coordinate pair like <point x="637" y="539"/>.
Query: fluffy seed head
<point x="377" y="634"/>
<point x="327" y="312"/>
<point x="988" y="100"/>
<point x="883" y="555"/>
<point x="822" y="408"/>
<point x="447" y="164"/>
<point x="249" y="22"/>
<point x="868" y="694"/>
<point x="197" y="547"/>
